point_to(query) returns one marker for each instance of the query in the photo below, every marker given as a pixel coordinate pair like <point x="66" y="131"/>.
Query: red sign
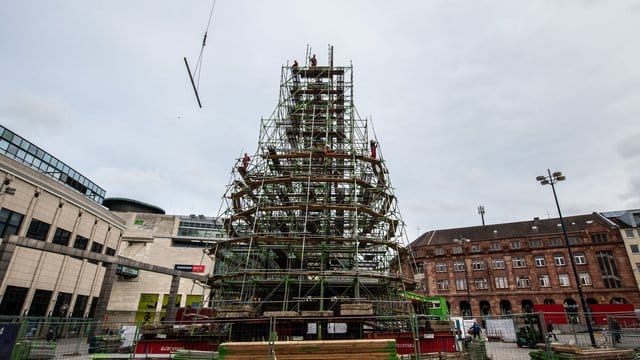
<point x="405" y="344"/>
<point x="169" y="346"/>
<point x="623" y="313"/>
<point x="189" y="268"/>
<point x="553" y="313"/>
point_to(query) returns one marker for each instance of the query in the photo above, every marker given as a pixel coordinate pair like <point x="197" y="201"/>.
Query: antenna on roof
<point x="196" y="71"/>
<point x="481" y="212"/>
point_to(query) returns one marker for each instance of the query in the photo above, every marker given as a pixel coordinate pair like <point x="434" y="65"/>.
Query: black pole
<point x="193" y="84"/>
<point x="586" y="310"/>
<point x="466" y="278"/>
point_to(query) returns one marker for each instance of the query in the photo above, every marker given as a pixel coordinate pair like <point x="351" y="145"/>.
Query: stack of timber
<point x="280" y="314"/>
<point x="194" y="355"/>
<point x="571" y="352"/>
<point x="356" y="309"/>
<point x="233" y="311"/>
<point x="437" y="326"/>
<point x="373" y="349"/>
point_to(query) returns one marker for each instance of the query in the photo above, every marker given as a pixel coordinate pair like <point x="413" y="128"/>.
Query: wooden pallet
<point x="371" y="349"/>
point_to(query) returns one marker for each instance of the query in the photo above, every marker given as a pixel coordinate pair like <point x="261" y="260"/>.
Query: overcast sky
<point x="470" y="100"/>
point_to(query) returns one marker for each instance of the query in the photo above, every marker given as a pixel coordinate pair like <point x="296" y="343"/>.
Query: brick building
<point x="512" y="266"/>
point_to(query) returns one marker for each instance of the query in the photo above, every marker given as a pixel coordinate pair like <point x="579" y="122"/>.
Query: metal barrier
<point x="517" y="336"/>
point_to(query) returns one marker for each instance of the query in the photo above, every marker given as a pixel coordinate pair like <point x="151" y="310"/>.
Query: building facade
<point x="56" y="238"/>
<point x="508" y="268"/>
<point x="167" y="241"/>
<point x="629" y="223"/>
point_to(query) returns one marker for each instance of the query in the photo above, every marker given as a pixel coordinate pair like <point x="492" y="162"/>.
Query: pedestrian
<point x="616" y="336"/>
<point x="313" y="61"/>
<point x="475" y="329"/>
<point x="51" y="335"/>
<point x="550" y="331"/>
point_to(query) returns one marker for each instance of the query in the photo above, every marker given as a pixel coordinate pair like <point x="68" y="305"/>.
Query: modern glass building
<point x="21" y="150"/>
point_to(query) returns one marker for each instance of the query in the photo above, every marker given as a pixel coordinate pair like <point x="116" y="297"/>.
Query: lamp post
<point x="462" y="241"/>
<point x="552" y="179"/>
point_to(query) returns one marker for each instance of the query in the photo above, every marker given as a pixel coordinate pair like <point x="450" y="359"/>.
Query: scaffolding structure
<point x="312" y="222"/>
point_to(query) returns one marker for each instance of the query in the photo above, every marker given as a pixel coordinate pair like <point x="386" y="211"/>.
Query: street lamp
<point x="553" y="179"/>
<point x="462" y="241"/>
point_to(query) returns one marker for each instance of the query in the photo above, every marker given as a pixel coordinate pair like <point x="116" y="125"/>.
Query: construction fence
<point x="517" y="336"/>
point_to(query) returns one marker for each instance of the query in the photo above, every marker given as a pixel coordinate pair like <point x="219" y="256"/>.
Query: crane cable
<point x="198" y="69"/>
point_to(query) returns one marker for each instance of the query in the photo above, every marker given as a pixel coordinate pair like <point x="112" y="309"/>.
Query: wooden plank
<point x="369" y="349"/>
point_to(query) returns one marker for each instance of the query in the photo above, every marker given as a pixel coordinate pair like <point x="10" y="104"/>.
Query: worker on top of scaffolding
<point x="374" y="148"/>
<point x="245" y="161"/>
<point x="294" y="71"/>
<point x="313" y="61"/>
<point x="328" y="150"/>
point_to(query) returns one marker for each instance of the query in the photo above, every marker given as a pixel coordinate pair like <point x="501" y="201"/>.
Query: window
<point x="92" y="308"/>
<point x="575" y="240"/>
<point x="458" y="266"/>
<point x="497" y="264"/>
<point x="9" y="223"/>
<point x="476" y="248"/>
<point x="112" y="252"/>
<point x="634" y="249"/>
<point x="461" y="284"/>
<point x="13" y="299"/>
<point x="419" y="266"/>
<point x="579" y="258"/>
<point x="96" y="248"/>
<point x="563" y="279"/>
<point x="61" y="237"/>
<point x="516" y="245"/>
<point x="38" y="230"/>
<point x="495" y="247"/>
<point x="441" y="267"/>
<point x="544" y="281"/>
<point x="519" y="262"/>
<point x="558" y="259"/>
<point x="536" y="243"/>
<point x="555" y="242"/>
<point x="599" y="238"/>
<point x="61" y="307"/>
<point x="80" y="306"/>
<point x="80" y="242"/>
<point x="501" y="282"/>
<point x="608" y="269"/>
<point x="443" y="285"/>
<point x="479" y="265"/>
<point x="481" y="284"/>
<point x="540" y="261"/>
<point x="629" y="233"/>
<point x="40" y="303"/>
<point x="457" y="249"/>
<point x="585" y="279"/>
<point x="523" y="282"/>
<point x="440" y="251"/>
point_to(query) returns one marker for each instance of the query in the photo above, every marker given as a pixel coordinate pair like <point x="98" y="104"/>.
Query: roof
<point x="130" y="205"/>
<point x="623" y="218"/>
<point x="532" y="227"/>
